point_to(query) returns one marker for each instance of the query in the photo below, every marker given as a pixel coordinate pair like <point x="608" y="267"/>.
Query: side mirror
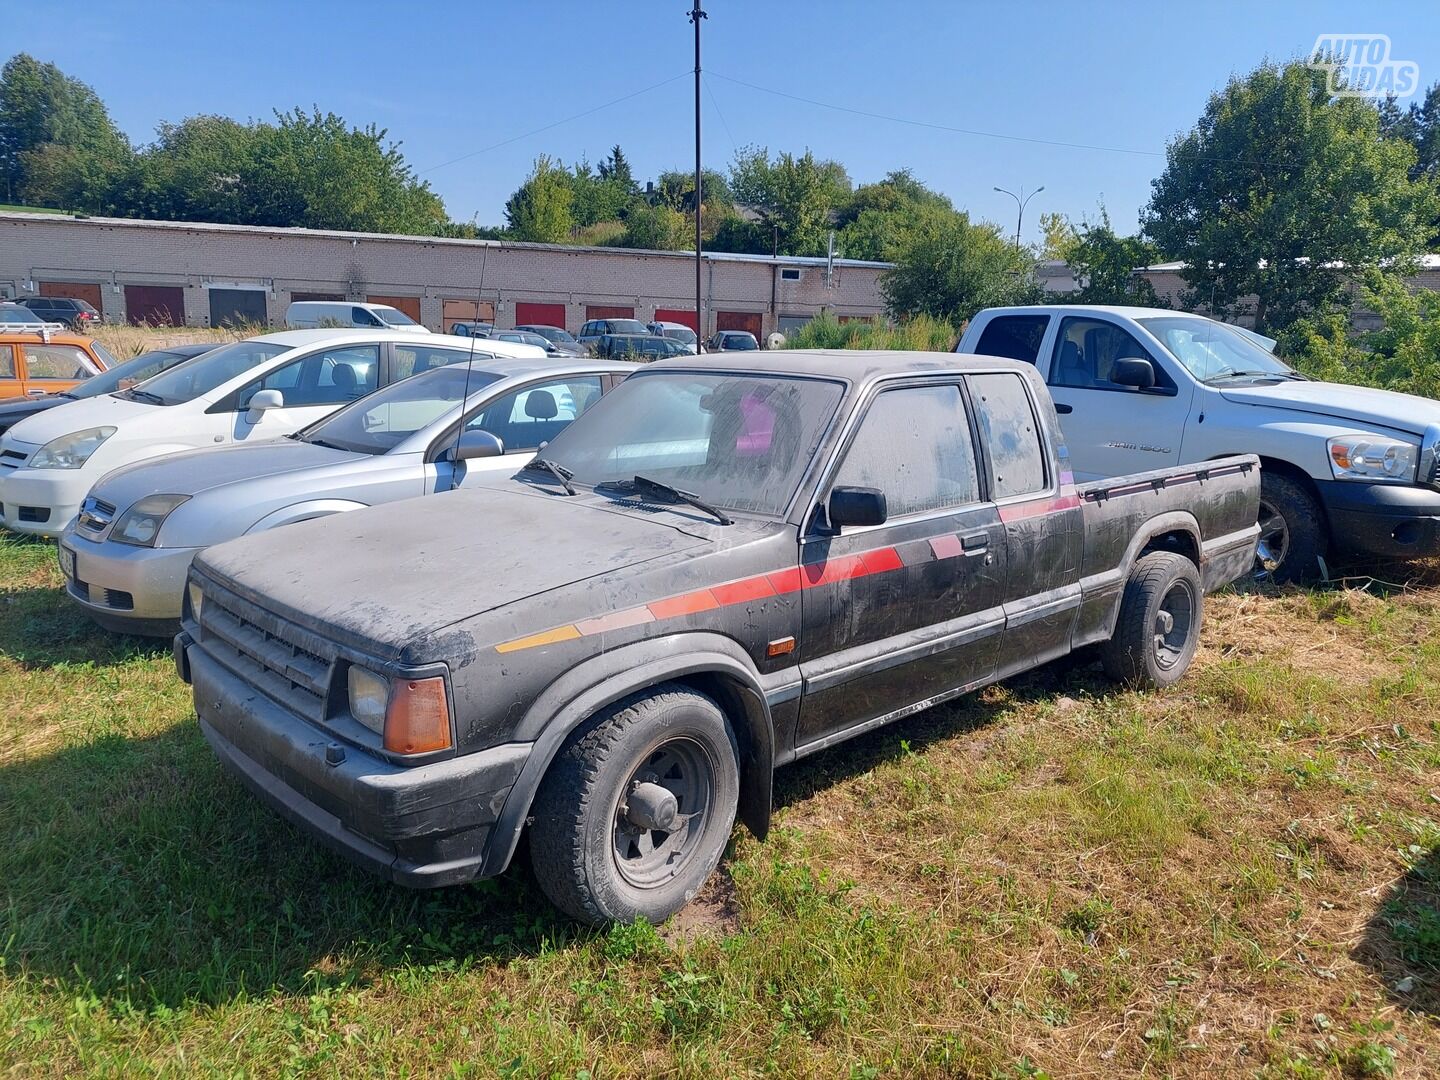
<point x="857" y="506"/>
<point x="261" y="402"/>
<point x="477" y="444"/>
<point x="1132" y="371"/>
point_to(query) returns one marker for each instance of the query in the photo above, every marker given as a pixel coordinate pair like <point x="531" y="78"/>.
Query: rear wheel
<point x="1292" y="532"/>
<point x="637" y="808"/>
<point x="1158" y="629"/>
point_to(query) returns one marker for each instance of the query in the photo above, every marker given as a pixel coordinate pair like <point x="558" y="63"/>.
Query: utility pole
<point x="1020" y="203"/>
<point x="695" y="16"/>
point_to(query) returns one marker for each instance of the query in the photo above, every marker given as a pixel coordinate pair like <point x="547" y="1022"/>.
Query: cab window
<point x="7" y="361"/>
<point x="914" y="444"/>
<point x="1012" y="434"/>
<point x="1013" y="337"/>
<point x="525" y="418"/>
<point x="57" y="362"/>
<point x="1086" y="351"/>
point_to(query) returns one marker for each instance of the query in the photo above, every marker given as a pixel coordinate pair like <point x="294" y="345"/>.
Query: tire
<point x="595" y="845"/>
<point x="1158" y="629"/>
<point x="1292" y="538"/>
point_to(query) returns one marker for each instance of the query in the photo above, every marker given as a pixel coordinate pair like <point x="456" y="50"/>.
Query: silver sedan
<point x="126" y="556"/>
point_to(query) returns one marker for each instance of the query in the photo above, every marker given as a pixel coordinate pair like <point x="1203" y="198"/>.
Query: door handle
<point x="1063" y="409"/>
<point x="975" y="543"/>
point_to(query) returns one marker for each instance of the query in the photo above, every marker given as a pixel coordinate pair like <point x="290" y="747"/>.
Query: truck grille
<point x="284" y="662"/>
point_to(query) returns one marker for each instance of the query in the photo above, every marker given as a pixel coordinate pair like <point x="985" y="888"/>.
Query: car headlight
<point x="70" y="451"/>
<point x="1373" y="458"/>
<point x="369" y="697"/>
<point x="140" y="525"/>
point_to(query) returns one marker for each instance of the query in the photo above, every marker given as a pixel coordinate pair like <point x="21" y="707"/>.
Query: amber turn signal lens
<point x="418" y="719"/>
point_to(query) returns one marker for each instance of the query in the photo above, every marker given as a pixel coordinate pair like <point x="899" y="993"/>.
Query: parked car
<point x="20" y="314"/>
<point x="564" y="344"/>
<point x="523" y="337"/>
<point x="120" y="377"/>
<point x="314" y="314"/>
<point x="732" y="341"/>
<point x="471" y="329"/>
<point x="43" y="360"/>
<point x="723" y="569"/>
<point x="249" y="391"/>
<point x="1348" y="470"/>
<point x="75" y="314"/>
<point x="642" y="346"/>
<point x="677" y="332"/>
<point x="126" y="566"/>
<point x="595" y="329"/>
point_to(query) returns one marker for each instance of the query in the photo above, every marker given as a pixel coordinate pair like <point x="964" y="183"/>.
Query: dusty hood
<point x="1358" y="405"/>
<point x="198" y="471"/>
<point x="103" y="411"/>
<point x="385" y="576"/>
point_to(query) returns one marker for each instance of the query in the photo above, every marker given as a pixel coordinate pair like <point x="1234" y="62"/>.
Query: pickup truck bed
<point x="720" y="567"/>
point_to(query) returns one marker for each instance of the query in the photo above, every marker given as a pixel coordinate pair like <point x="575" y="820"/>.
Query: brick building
<point x="205" y="274"/>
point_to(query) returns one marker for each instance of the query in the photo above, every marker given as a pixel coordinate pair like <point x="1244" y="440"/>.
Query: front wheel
<point x="635" y="812"/>
<point x="1158" y="629"/>
<point x="1292" y="532"/>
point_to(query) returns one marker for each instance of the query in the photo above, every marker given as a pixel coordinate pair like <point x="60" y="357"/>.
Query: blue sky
<point x="448" y="79"/>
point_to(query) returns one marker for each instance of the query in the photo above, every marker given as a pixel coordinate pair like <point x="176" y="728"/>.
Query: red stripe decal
<point x="947" y="547"/>
<point x="786" y="581"/>
<point x="684" y="604"/>
<point x="881" y="560"/>
<point x="743" y="591"/>
<point x="842" y="568"/>
<point x="616" y="620"/>
<point x="1019" y="511"/>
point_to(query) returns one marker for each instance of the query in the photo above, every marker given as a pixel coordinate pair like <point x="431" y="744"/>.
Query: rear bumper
<point x="422" y="827"/>
<point x="1390" y="521"/>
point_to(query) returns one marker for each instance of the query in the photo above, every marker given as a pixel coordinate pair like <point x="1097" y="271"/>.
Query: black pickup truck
<point x="720" y="568"/>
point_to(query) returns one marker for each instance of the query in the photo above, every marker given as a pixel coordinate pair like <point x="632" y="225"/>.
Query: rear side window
<point x="1012" y="434"/>
<point x="914" y="445"/>
<point x="410" y="360"/>
<point x="1014" y="337"/>
<point x="7" y="361"/>
<point x="57" y="362"/>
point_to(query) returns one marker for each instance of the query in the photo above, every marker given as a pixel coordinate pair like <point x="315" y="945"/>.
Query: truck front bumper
<point x="1385" y="520"/>
<point x="422" y="827"/>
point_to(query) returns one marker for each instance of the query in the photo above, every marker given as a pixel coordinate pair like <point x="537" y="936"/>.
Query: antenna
<point x="830" y="260"/>
<point x="469" y="366"/>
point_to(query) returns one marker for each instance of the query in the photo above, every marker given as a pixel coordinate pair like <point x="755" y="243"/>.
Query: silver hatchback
<point x="126" y="556"/>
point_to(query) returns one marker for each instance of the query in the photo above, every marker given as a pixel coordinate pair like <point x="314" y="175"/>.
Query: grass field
<point x="1237" y="877"/>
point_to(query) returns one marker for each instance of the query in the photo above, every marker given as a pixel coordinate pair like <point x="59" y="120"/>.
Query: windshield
<point x="550" y="333"/>
<point x="1213" y="350"/>
<point x="392" y="316"/>
<point x="682" y="334"/>
<point x="382" y="420"/>
<point x="132" y="371"/>
<point x="187" y="381"/>
<point x="625" y="326"/>
<point x="737" y="441"/>
<point x="18" y="314"/>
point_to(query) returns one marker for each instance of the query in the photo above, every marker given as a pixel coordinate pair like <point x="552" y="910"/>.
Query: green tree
<point x="949" y="268"/>
<point x="1283" y="192"/>
<point x="1104" y="265"/>
<point x="541" y="210"/>
<point x="58" y="145"/>
<point x="879" y="216"/>
<point x="800" y="196"/>
<point x="658" y="228"/>
<point x="1060" y="234"/>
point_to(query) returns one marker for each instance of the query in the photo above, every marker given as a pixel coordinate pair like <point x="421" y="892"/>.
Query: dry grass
<point x="127" y="341"/>
<point x="1237" y="877"/>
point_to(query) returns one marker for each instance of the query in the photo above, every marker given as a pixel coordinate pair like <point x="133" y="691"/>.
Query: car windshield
<point x="742" y="442"/>
<point x="551" y="333"/>
<point x="682" y="334"/>
<point x="382" y="420"/>
<point x="132" y="371"/>
<point x="1212" y="350"/>
<point x="740" y="342"/>
<point x="16" y="314"/>
<point x="626" y="326"/>
<point x="393" y="316"/>
<point x="187" y="381"/>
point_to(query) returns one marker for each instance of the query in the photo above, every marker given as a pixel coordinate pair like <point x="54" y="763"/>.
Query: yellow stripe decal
<point x="547" y="637"/>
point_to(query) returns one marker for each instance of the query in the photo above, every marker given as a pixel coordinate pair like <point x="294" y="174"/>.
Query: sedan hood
<point x="383" y="577"/>
<point x="104" y="411"/>
<point x="198" y="471"/>
<point x="1358" y="405"/>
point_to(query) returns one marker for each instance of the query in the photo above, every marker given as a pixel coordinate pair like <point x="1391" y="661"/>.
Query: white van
<point x="314" y="314"/>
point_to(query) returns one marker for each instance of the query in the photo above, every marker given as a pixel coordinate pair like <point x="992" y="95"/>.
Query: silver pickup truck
<point x="725" y="566"/>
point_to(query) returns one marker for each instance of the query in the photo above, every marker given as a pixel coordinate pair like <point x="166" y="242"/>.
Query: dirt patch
<point x="714" y="913"/>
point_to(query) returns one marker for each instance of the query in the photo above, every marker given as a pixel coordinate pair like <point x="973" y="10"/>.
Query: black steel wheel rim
<point x="1274" y="541"/>
<point x="646" y="856"/>
<point x="1174" y="623"/>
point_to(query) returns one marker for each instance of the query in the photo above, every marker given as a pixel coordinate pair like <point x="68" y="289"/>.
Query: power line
<point x="557" y="123"/>
<point x="723" y="122"/>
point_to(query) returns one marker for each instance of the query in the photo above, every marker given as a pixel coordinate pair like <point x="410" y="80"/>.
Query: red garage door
<point x="527" y="314"/>
<point x="606" y="311"/>
<point x="738" y="320"/>
<point x="74" y="290"/>
<point x="155" y="305"/>
<point x="677" y="315"/>
<point x="410" y="305"/>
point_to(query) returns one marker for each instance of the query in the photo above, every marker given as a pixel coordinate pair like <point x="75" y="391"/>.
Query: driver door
<point x="1112" y="429"/>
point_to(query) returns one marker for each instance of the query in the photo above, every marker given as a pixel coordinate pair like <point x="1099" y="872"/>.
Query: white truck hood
<point x="104" y="411"/>
<point x="1356" y="405"/>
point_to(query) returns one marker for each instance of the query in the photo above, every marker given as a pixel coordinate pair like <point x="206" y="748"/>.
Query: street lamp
<point x="1020" y="202"/>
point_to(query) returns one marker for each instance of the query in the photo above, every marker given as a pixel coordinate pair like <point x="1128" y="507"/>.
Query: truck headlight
<point x="140" y="525"/>
<point x="1373" y="458"/>
<point x="70" y="451"/>
<point x="197" y="599"/>
<point x="369" y="697"/>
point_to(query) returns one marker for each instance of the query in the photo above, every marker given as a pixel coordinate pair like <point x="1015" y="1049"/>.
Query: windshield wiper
<point x="1256" y="375"/>
<point x="656" y="487"/>
<point x="558" y="471"/>
<point x="145" y="395"/>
